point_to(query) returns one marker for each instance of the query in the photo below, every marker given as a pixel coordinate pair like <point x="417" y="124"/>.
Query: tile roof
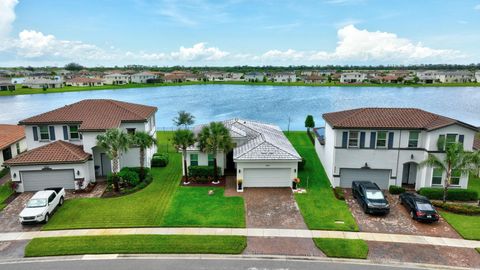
<point x="10" y="134"/>
<point x="394" y="118"/>
<point x="57" y="152"/>
<point x="83" y="80"/>
<point x="94" y="114"/>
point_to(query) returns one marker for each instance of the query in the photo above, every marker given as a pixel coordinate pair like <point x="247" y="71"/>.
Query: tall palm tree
<point x="184" y="119"/>
<point x="456" y="160"/>
<point x="143" y="140"/>
<point x="114" y="142"/>
<point x="182" y="139"/>
<point x="212" y="139"/>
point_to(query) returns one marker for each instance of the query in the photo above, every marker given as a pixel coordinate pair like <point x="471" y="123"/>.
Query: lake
<point x="272" y="104"/>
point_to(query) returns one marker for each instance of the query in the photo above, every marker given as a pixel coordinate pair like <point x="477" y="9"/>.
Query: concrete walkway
<point x="378" y="237"/>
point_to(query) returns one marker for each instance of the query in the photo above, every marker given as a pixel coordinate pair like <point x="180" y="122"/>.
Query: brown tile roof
<point x="10" y="134"/>
<point x="94" y="114"/>
<point x="57" y="152"/>
<point x="394" y="118"/>
<point x="83" y="80"/>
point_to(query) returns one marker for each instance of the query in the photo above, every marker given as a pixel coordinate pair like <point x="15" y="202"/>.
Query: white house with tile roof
<point x="262" y="156"/>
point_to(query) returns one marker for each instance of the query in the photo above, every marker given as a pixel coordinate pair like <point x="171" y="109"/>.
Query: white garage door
<point x="39" y="180"/>
<point x="381" y="177"/>
<point x="267" y="177"/>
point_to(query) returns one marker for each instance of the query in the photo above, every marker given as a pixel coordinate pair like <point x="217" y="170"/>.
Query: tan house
<point x="12" y="142"/>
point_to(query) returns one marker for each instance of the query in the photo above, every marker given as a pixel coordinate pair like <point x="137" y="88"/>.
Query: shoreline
<point x="29" y="91"/>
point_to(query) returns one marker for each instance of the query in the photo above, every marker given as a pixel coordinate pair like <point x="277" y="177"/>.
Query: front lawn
<point x="125" y="244"/>
<point x="467" y="226"/>
<point x="319" y="207"/>
<point x="148" y="207"/>
<point x="342" y="248"/>
<point x="5" y="192"/>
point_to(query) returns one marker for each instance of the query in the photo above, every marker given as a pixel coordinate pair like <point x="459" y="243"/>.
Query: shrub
<point x="160" y="160"/>
<point x="396" y="190"/>
<point x="202" y="173"/>
<point x="464" y="209"/>
<point x="339" y="194"/>
<point x="130" y="176"/>
<point x="452" y="194"/>
<point x="301" y="164"/>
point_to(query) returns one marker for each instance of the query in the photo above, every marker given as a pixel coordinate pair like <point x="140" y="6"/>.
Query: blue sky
<point x="202" y="32"/>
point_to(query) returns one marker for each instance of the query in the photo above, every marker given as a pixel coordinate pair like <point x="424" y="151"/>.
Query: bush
<point x="160" y="160"/>
<point x="452" y="194"/>
<point x="464" y="209"/>
<point x="339" y="194"/>
<point x="202" y="173"/>
<point x="129" y="176"/>
<point x="301" y="164"/>
<point x="396" y="190"/>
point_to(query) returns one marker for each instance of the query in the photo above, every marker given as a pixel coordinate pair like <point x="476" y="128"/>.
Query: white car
<point x="41" y="206"/>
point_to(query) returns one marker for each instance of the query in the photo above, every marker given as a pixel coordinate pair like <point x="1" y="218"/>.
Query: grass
<point x="125" y="244"/>
<point x="319" y="207"/>
<point x="28" y="91"/>
<point x="149" y="206"/>
<point x="342" y="248"/>
<point x="5" y="192"/>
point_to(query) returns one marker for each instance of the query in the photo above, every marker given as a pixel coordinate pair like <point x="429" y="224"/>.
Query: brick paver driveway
<point x="9" y="215"/>
<point x="397" y="221"/>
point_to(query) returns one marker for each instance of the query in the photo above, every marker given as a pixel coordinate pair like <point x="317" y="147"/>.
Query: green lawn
<point x="148" y="207"/>
<point x="58" y="246"/>
<point x="319" y="207"/>
<point x="342" y="248"/>
<point x="5" y="192"/>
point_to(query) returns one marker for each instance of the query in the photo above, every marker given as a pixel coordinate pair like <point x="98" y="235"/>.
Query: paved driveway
<point x="397" y="221"/>
<point x="9" y="215"/>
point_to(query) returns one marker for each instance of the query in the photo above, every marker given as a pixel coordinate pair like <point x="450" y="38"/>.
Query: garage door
<point x="267" y="177"/>
<point x="381" y="177"/>
<point x="39" y="180"/>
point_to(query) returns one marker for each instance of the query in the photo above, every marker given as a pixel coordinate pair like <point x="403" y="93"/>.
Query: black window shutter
<point x="461" y="138"/>
<point x="344" y="139"/>
<point x="65" y="133"/>
<point x="35" y="133"/>
<point x="52" y="133"/>
<point x="373" y="137"/>
<point x="362" y="139"/>
<point x="390" y="140"/>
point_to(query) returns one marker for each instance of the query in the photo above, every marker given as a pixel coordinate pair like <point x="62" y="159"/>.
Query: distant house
<point x="6" y="85"/>
<point x="116" y="78"/>
<point x="83" y="82"/>
<point x="285" y="77"/>
<point x="477" y="76"/>
<point x="215" y="76"/>
<point x="233" y="76"/>
<point x="315" y="79"/>
<point x="12" y="142"/>
<point x="39" y="82"/>
<point x="352" y="77"/>
<point x="428" y="76"/>
<point x="143" y="77"/>
<point x="254" y="76"/>
<point x="461" y="76"/>
<point x="387" y="79"/>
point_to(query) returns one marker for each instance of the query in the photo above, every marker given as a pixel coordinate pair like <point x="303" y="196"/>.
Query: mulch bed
<point x="207" y="184"/>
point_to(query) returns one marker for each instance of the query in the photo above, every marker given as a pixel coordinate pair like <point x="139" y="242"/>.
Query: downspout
<point x="398" y="156"/>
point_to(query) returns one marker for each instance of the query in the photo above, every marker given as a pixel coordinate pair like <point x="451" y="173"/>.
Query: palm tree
<point x="182" y="139"/>
<point x="143" y="140"/>
<point x="456" y="160"/>
<point x="114" y="142"/>
<point x="212" y="139"/>
<point x="184" y="119"/>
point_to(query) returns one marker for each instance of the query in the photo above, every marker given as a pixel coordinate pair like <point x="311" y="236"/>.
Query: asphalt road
<point x="190" y="263"/>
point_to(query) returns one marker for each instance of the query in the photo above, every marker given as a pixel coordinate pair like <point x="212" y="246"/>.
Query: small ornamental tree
<point x="309" y="123"/>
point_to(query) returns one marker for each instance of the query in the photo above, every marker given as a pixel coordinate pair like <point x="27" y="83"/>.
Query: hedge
<point x="464" y="209"/>
<point x="203" y="173"/>
<point x="454" y="194"/>
<point x="160" y="160"/>
<point x="130" y="176"/>
<point x="396" y="190"/>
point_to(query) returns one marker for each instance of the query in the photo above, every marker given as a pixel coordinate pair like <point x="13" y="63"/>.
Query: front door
<point x="409" y="173"/>
<point x="230" y="164"/>
<point x="7" y="153"/>
<point x="106" y="164"/>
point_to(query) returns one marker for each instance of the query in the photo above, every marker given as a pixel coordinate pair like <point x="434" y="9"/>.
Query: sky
<point x="238" y="32"/>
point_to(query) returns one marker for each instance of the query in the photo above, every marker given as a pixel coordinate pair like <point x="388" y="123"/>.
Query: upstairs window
<point x="130" y="131"/>
<point x="382" y="139"/>
<point x="193" y="159"/>
<point x="450" y="139"/>
<point x="353" y="139"/>
<point x="73" y="132"/>
<point x="17" y="145"/>
<point x="413" y="139"/>
<point x="44" y="134"/>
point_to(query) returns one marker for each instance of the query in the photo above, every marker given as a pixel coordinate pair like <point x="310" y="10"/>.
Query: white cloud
<point x="288" y="55"/>
<point x="199" y="52"/>
<point x="7" y="17"/>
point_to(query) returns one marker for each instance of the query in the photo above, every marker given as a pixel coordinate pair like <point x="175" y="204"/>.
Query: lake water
<point x="272" y="104"/>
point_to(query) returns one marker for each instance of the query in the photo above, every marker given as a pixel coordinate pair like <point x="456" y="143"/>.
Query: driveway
<point x="9" y="215"/>
<point x="397" y="221"/>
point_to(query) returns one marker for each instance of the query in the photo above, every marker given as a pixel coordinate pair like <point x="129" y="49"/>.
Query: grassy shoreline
<point x="28" y="91"/>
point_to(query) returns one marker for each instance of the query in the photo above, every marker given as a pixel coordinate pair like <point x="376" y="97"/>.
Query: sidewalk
<point x="378" y="237"/>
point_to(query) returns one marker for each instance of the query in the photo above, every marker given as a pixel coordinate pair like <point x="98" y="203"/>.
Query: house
<point x="428" y="76"/>
<point x="461" y="76"/>
<point x="254" y="77"/>
<point x="6" y="85"/>
<point x="234" y="76"/>
<point x="40" y="82"/>
<point x="315" y="79"/>
<point x="214" y="76"/>
<point x="477" y="76"/>
<point x="143" y="77"/>
<point x="63" y="149"/>
<point x="116" y="78"/>
<point x="12" y="142"/>
<point x="83" y="82"/>
<point x="352" y="77"/>
<point x="387" y="79"/>
<point x="285" y="77"/>
<point x="387" y="145"/>
<point x="262" y="156"/>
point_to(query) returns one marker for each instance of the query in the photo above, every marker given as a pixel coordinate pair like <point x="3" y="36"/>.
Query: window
<point x="130" y="131"/>
<point x="17" y="145"/>
<point x="455" y="178"/>
<point x="450" y="139"/>
<point x="437" y="176"/>
<point x="210" y="160"/>
<point x="44" y="135"/>
<point x="353" y="139"/>
<point x="382" y="139"/>
<point x="73" y="131"/>
<point x="413" y="139"/>
<point x="193" y="159"/>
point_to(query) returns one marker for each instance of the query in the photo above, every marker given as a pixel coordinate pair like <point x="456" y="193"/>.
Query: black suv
<point x="370" y="197"/>
<point x="419" y="207"/>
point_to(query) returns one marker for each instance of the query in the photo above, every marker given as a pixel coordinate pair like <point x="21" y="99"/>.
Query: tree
<point x="456" y="160"/>
<point x="184" y="119"/>
<point x="143" y="140"/>
<point x="212" y="139"/>
<point x="309" y="123"/>
<point x="114" y="142"/>
<point x="182" y="139"/>
<point x="73" y="67"/>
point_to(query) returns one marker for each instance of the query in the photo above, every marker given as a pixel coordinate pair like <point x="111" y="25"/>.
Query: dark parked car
<point x="419" y="207"/>
<point x="370" y="197"/>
